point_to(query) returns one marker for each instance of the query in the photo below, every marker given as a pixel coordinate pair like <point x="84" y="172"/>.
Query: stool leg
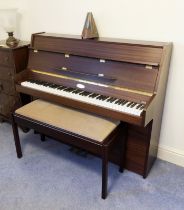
<point x="104" y="171"/>
<point x="16" y="138"/>
<point x="42" y="136"/>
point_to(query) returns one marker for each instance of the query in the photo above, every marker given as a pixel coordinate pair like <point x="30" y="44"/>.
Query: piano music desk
<point x="73" y="127"/>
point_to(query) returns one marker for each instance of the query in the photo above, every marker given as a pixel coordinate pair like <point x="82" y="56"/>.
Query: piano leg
<point x="123" y="139"/>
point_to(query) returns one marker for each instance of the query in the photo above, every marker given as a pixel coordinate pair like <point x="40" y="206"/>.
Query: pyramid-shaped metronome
<point x="90" y="29"/>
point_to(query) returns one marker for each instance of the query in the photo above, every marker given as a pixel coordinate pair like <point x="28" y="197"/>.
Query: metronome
<point x="90" y="29"/>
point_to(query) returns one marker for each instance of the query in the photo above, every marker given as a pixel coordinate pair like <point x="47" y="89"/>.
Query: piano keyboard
<point x="108" y="102"/>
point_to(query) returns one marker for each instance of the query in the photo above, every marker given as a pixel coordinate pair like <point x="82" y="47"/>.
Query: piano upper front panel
<point x="117" y="51"/>
<point x="141" y="79"/>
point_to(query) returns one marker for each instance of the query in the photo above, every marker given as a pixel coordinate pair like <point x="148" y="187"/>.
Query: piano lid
<point x="112" y="49"/>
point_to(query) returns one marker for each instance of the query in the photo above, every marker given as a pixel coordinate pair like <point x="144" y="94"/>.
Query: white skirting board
<point x="171" y="155"/>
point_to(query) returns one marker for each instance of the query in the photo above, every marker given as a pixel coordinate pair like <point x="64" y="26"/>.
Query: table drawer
<point x="6" y="73"/>
<point x="7" y="87"/>
<point x="5" y="58"/>
<point x="7" y="103"/>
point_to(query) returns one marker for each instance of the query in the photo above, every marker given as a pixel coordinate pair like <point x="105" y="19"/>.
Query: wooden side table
<point x="12" y="61"/>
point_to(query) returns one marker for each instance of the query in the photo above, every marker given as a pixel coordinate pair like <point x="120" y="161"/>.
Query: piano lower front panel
<point x="137" y="150"/>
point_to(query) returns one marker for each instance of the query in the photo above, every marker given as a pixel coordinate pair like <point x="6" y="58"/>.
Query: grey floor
<point x="50" y="177"/>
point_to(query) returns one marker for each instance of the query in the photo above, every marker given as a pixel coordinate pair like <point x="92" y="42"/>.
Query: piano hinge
<point x="67" y="55"/>
<point x="101" y="75"/>
<point x="149" y="67"/>
<point x="64" y="68"/>
<point x="102" y="61"/>
<point x="35" y="51"/>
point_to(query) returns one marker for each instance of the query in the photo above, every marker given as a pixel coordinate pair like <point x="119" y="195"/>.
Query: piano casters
<point x="90" y="29"/>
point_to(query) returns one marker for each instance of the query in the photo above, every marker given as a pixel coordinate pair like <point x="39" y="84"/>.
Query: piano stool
<point x="73" y="127"/>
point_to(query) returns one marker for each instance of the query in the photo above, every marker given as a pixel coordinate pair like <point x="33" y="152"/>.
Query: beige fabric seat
<point x="76" y="121"/>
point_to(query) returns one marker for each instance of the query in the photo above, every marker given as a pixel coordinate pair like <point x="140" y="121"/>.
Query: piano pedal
<point x="78" y="151"/>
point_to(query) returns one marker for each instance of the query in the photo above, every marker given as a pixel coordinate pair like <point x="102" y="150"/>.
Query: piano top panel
<point x="106" y="39"/>
<point x="149" y="53"/>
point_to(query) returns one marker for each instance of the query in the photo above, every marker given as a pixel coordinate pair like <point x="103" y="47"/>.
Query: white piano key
<point x="103" y="103"/>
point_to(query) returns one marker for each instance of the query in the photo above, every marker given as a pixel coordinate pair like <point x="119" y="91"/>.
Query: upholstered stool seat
<point x="76" y="121"/>
<point x="74" y="127"/>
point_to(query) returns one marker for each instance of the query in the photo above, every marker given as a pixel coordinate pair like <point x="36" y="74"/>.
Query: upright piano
<point x="115" y="78"/>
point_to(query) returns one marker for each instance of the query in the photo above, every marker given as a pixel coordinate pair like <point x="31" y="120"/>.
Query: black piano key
<point x="40" y="82"/>
<point x="76" y="91"/>
<point x="138" y="106"/>
<point x="124" y="102"/>
<point x="109" y="99"/>
<point x="86" y="93"/>
<point x="69" y="89"/>
<point x="61" y="87"/>
<point x="112" y="100"/>
<point x="93" y="95"/>
<point x="53" y="86"/>
<point x="133" y="105"/>
<point x="46" y="84"/>
<point x="81" y="92"/>
<point x="118" y="101"/>
<point x="130" y="103"/>
<point x="105" y="97"/>
<point x="96" y="96"/>
<point x="37" y="82"/>
<point x="99" y="97"/>
<point x="31" y="81"/>
<point x="49" y="85"/>
<point x="142" y="106"/>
